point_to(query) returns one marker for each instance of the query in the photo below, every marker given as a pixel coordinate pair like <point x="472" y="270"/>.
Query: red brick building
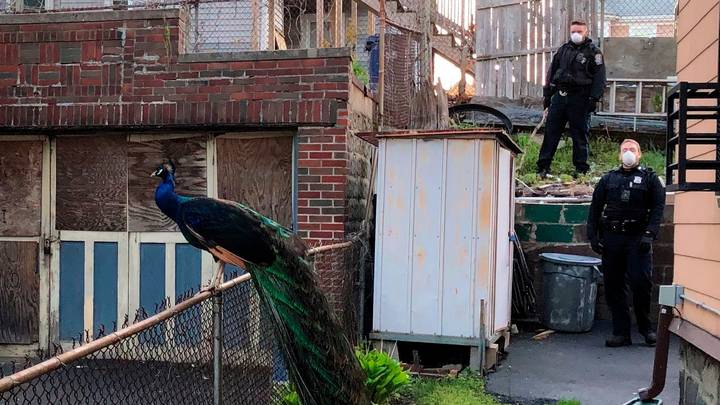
<point x="91" y="102"/>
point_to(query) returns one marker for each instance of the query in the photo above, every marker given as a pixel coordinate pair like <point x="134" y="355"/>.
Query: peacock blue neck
<point x="166" y="198"/>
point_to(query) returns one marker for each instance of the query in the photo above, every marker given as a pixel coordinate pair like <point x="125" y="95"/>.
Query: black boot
<point x="618" y="341"/>
<point x="650" y="338"/>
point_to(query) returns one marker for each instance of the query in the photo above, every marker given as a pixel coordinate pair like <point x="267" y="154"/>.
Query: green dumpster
<point x="570" y="289"/>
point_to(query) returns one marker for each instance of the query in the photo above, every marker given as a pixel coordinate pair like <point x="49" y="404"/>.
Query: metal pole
<point x="461" y="84"/>
<point x="381" y="73"/>
<point x="661" y="355"/>
<point x="217" y="348"/>
<point x="602" y="25"/>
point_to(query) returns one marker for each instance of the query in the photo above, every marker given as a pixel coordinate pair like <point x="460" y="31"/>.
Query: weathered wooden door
<point x="257" y="169"/>
<point x="24" y="214"/>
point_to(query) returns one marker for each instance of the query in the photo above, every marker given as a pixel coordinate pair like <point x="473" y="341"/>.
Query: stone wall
<point x="699" y="376"/>
<point x="560" y="228"/>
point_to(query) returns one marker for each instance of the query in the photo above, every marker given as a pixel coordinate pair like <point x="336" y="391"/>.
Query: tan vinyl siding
<point x="697" y="215"/>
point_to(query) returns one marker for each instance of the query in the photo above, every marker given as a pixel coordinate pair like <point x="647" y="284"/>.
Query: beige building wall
<point x="697" y="215"/>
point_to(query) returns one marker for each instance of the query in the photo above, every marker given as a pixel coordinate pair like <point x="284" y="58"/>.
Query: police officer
<point x="574" y="84"/>
<point x="625" y="213"/>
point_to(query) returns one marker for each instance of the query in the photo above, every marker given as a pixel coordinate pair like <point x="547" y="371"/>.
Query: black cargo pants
<point x="572" y="107"/>
<point x="625" y="264"/>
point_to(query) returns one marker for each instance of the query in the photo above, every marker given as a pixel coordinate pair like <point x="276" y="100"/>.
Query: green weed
<point x="603" y="157"/>
<point x="466" y="389"/>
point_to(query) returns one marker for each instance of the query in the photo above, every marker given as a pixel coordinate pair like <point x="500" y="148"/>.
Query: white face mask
<point x="576" y="37"/>
<point x="629" y="159"/>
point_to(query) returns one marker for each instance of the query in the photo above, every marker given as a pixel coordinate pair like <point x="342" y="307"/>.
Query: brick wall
<point x="560" y="228"/>
<point x="124" y="70"/>
<point x="99" y="69"/>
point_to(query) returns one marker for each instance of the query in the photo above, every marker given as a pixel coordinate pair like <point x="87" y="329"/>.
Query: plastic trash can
<point x="570" y="288"/>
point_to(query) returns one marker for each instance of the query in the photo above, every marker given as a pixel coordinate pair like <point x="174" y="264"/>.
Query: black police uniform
<point x="625" y="213"/>
<point x="575" y="82"/>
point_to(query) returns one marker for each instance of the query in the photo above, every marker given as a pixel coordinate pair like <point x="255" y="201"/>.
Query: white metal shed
<point x="443" y="260"/>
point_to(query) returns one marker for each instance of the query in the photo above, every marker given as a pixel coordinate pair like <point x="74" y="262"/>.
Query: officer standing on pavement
<point x="625" y="213"/>
<point x="574" y="84"/>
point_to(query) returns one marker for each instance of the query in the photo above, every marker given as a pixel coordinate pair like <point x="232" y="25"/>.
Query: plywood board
<point x="20" y="187"/>
<point x="144" y="156"/>
<point x="19" y="283"/>
<point x="258" y="173"/>
<point x="91" y="183"/>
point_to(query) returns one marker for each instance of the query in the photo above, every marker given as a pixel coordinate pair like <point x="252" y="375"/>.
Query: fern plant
<point x="384" y="374"/>
<point x="385" y="377"/>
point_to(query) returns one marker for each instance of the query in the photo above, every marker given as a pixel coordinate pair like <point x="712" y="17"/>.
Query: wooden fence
<point x="517" y="38"/>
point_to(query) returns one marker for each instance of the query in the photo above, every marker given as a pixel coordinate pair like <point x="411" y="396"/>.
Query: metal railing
<point x="690" y="104"/>
<point x="644" y="98"/>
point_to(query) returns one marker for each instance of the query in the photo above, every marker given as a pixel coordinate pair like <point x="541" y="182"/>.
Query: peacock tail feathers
<point x="321" y="361"/>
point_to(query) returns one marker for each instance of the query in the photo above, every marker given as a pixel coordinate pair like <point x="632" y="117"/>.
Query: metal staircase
<point x="691" y="102"/>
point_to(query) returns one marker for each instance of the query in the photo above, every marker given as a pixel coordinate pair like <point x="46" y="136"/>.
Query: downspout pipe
<point x="661" y="355"/>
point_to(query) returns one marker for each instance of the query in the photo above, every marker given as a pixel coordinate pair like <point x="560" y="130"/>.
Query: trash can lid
<point x="562" y="258"/>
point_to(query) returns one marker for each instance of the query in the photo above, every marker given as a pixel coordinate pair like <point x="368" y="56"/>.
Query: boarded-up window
<point x="18" y="292"/>
<point x="91" y="183"/>
<point x="145" y="154"/>
<point x="257" y="172"/>
<point x="20" y="188"/>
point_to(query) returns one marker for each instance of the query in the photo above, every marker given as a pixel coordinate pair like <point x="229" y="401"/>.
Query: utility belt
<point x="572" y="90"/>
<point x="623" y="226"/>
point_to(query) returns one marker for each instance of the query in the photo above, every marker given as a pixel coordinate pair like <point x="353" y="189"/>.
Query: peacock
<point x="320" y="360"/>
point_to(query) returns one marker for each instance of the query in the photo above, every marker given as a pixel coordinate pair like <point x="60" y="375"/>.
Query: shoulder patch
<point x="598" y="59"/>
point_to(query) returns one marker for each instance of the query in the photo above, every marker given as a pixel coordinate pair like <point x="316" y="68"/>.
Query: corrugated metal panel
<point x="503" y="268"/>
<point x="484" y="223"/>
<point x="436" y="225"/>
<point x="461" y="192"/>
<point x="394" y="283"/>
<point x="426" y="236"/>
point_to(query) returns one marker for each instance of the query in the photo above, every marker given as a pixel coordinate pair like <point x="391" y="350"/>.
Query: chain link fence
<point x="343" y="271"/>
<point x="402" y="74"/>
<point x="215" y="343"/>
<point x="638" y="18"/>
<point x="232" y="25"/>
<point x="212" y="345"/>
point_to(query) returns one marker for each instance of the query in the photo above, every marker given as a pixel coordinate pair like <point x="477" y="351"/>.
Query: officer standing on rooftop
<point x="625" y="213"/>
<point x="574" y="84"/>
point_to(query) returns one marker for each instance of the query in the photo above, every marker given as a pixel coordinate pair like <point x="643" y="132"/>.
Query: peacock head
<point x="164" y="170"/>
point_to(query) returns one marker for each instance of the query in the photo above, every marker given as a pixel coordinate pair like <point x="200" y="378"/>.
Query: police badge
<point x="581" y="58"/>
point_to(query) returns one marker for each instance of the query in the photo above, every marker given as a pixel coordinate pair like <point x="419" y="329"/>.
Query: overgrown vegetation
<point x="360" y="72"/>
<point x="603" y="157"/>
<point x="467" y="389"/>
<point x="384" y="374"/>
<point x="568" y="402"/>
<point x="384" y="377"/>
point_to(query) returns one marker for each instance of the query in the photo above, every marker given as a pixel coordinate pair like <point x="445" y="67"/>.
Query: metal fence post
<point x="217" y="347"/>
